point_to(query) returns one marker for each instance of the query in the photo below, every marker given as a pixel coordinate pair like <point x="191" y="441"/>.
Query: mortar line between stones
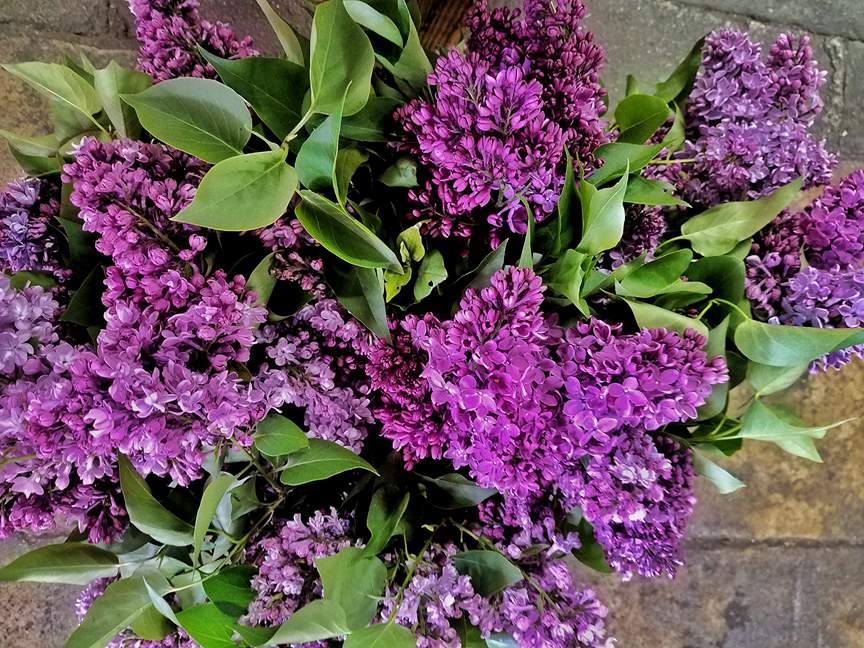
<point x="719" y="543"/>
<point x="759" y="20"/>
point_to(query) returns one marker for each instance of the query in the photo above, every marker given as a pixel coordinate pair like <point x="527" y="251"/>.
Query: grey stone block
<point x="851" y="132"/>
<point x="73" y="17"/>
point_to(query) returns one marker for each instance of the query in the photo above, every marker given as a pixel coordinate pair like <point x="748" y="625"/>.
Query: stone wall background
<point x="777" y="565"/>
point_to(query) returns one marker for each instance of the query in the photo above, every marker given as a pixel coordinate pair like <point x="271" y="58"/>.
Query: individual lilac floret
<point x="403" y="407"/>
<point x="169" y="33"/>
<point x="287" y="578"/>
<point x="749" y="119"/>
<point x="314" y="362"/>
<point x="639" y="499"/>
<point x="485" y="143"/>
<point x="28" y="231"/>
<point x="827" y="299"/>
<point x="549" y="42"/>
<point x="833" y="225"/>
<point x="436" y="596"/>
<point x="553" y="612"/>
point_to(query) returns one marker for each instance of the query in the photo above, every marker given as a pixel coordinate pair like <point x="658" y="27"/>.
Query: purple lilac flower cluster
<point x="169" y="33"/>
<point x="287" y="577"/>
<point x="749" y="121"/>
<point x="826" y="290"/>
<point x="502" y="116"/>
<point x="28" y="231"/>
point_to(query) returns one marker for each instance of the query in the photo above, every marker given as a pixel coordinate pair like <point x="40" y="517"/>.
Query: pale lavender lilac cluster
<point x="28" y="229"/>
<point x="169" y="33"/>
<point x="749" y="121"/>
<point x="826" y="290"/>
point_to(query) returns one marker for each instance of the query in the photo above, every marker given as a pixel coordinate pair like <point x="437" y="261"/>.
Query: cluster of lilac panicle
<point x="486" y="144"/>
<point x="827" y="290"/>
<point x="39" y="482"/>
<point x="549" y="43"/>
<point x="169" y="33"/>
<point x="287" y="578"/>
<point x="28" y="231"/>
<point x="298" y="257"/>
<point x="749" y="121"/>
<point x="644" y="228"/>
<point x="314" y="361"/>
<point x="176" y="639"/>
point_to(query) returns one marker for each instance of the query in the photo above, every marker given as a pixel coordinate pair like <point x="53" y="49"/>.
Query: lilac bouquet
<point x="353" y="347"/>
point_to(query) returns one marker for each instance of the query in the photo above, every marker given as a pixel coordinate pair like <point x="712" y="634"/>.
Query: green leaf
<point x="383" y="520"/>
<point x="273" y="87"/>
<point x="766" y="380"/>
<point x="718" y="230"/>
<point x="413" y="65"/>
<point x="677" y="134"/>
<point x="639" y="116"/>
<point x="725" y="274"/>
<point x="643" y="191"/>
<point x="490" y="264"/>
<point x="151" y="625"/>
<point x="679" y="83"/>
<point x="590" y="553"/>
<point x="490" y="571"/>
<point x="501" y="640"/>
<point x="35" y="165"/>
<point x="361" y="292"/>
<point x="214" y="493"/>
<point x="85" y="308"/>
<point x="723" y="481"/>
<point x="321" y="460"/>
<point x="373" y="123"/>
<point x="147" y="514"/>
<point x="231" y="590"/>
<point x="110" y="83"/>
<point x="765" y="423"/>
<point x="791" y="346"/>
<point x="458" y="491"/>
<point x="567" y="277"/>
<point x="243" y="193"/>
<point x="61" y="84"/>
<point x="24" y="279"/>
<point x="345" y="236"/>
<point x="354" y="581"/>
<point x="347" y="162"/>
<point x="44" y="146"/>
<point x="277" y="436"/>
<point x="374" y="21"/>
<point x="649" y="316"/>
<point x="403" y="173"/>
<point x="262" y="281"/>
<point x="256" y="636"/>
<point x="201" y="117"/>
<point x="652" y="278"/>
<point x="342" y="60"/>
<point x="558" y="234"/>
<point x="469" y="635"/>
<point x="119" y="607"/>
<point x="718" y="400"/>
<point x="432" y="273"/>
<point x="208" y="626"/>
<point x="386" y="635"/>
<point x="620" y="158"/>
<point x="317" y="621"/>
<point x="526" y="258"/>
<point x="602" y="216"/>
<point x="71" y="563"/>
<point x="316" y="161"/>
<point x="287" y="38"/>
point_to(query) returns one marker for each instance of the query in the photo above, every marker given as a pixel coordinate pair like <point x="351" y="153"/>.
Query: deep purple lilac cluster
<point x="169" y="33"/>
<point x="502" y="116"/>
<point x="28" y="234"/>
<point x="749" y="121"/>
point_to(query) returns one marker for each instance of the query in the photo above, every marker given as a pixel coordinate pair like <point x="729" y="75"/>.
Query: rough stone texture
<point x="775" y="565"/>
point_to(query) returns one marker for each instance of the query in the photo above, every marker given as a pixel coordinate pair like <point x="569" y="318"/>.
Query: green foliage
<point x="383" y="520"/>
<point x="201" y="117"/>
<point x="286" y="35"/>
<point x="773" y="424"/>
<point x="354" y="581"/>
<point x="71" y="563"/>
<point x="455" y="491"/>
<point x="621" y="158"/>
<point x="639" y="116"/>
<point x="718" y="230"/>
<point x="432" y="273"/>
<point x="649" y="316"/>
<point x="242" y="193"/>
<point x="319" y="620"/>
<point x="791" y="346"/>
<point x="567" y="277"/>
<point x="110" y="83"/>
<point x="147" y="514"/>
<point x="321" y="460"/>
<point x="341" y="62"/>
<point x="61" y="84"/>
<point x="677" y="86"/>
<point x="262" y="280"/>
<point x="208" y="626"/>
<point x="490" y="571"/>
<point x="216" y="490"/>
<point x="361" y="292"/>
<point x="766" y="380"/>
<point x="231" y="590"/>
<point x="723" y="481"/>
<point x="277" y="436"/>
<point x="316" y="161"/>
<point x="602" y="216"/>
<point x="388" y="635"/>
